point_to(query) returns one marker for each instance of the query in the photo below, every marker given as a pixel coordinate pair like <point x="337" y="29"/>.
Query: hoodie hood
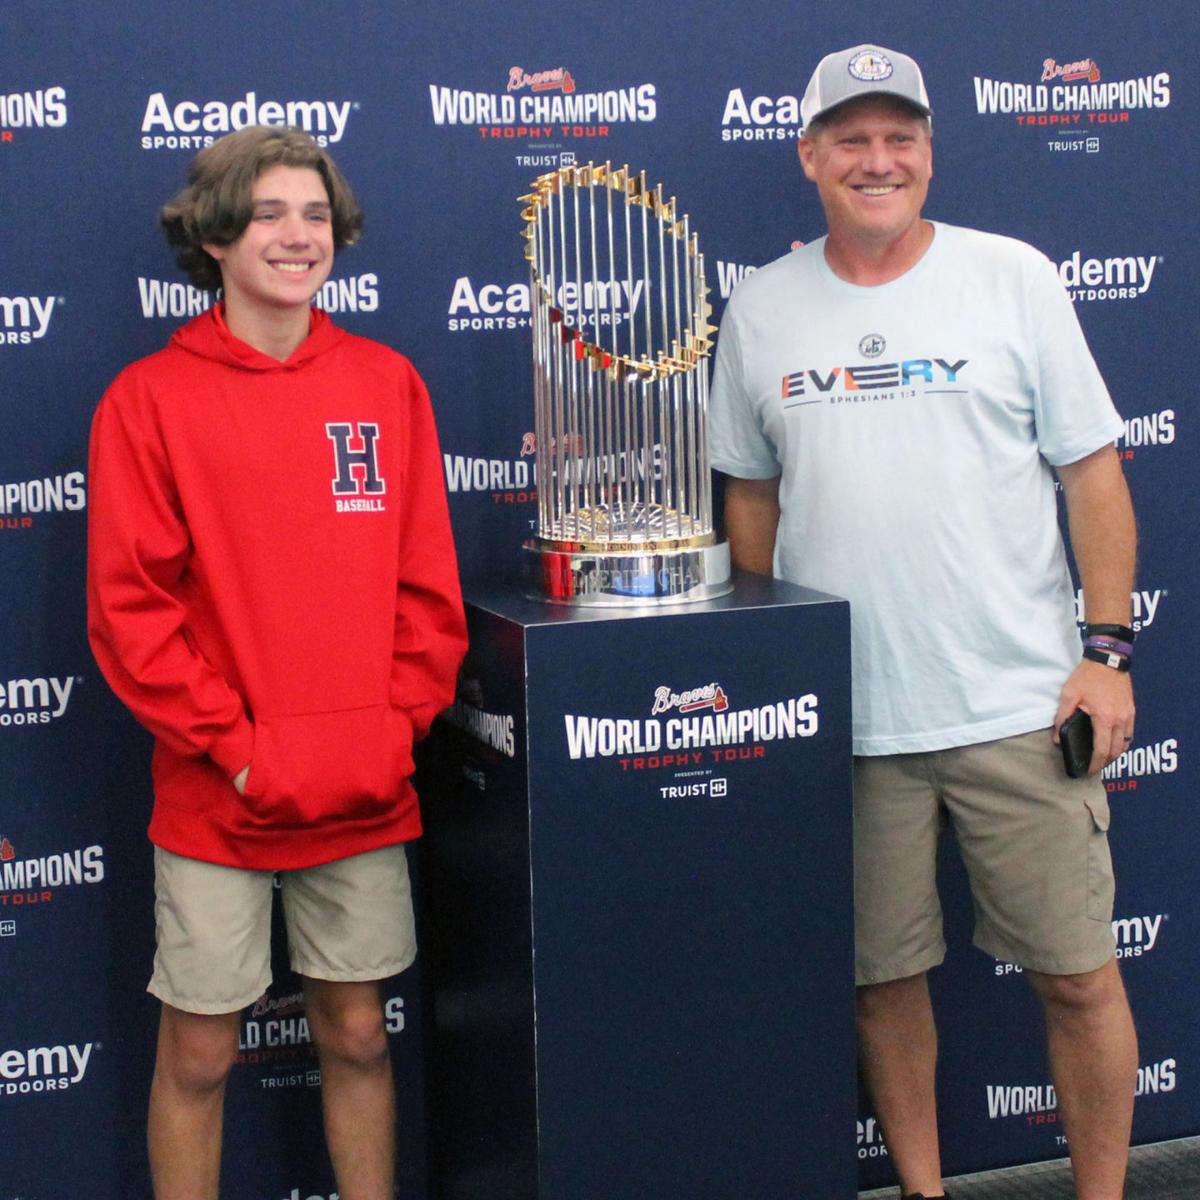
<point x="208" y="337"/>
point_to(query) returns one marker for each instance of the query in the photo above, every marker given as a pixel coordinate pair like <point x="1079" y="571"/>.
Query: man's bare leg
<point x="1093" y="1063"/>
<point x="897" y="1050"/>
<point x="346" y="1020"/>
<point x="187" y="1100"/>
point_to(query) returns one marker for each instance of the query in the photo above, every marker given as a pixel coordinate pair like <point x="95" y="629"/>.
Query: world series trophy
<point x="621" y="338"/>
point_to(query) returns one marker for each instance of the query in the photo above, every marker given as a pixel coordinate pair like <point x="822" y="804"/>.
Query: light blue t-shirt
<point x="914" y="425"/>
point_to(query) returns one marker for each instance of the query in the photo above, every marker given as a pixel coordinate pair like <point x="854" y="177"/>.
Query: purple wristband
<point x="1110" y="645"/>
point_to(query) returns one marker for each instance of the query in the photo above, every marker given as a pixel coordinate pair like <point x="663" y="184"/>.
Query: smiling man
<point x="272" y="591"/>
<point x="891" y="404"/>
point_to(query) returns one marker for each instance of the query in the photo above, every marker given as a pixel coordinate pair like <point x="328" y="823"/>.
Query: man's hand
<point x="1107" y="697"/>
<point x="239" y="780"/>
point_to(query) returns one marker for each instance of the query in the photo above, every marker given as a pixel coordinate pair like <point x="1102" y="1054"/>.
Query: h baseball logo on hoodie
<point x="357" y="468"/>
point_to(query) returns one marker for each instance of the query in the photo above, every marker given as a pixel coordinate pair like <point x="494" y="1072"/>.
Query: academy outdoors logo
<point x="759" y="118"/>
<point x="1121" y="277"/>
<point x="42" y="108"/>
<point x="542" y="106"/>
<point x="357" y="466"/>
<point x="173" y="124"/>
<point x="25" y="319"/>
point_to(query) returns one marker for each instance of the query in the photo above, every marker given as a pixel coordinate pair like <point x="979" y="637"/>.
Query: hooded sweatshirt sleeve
<point x="431" y="635"/>
<point x="138" y="553"/>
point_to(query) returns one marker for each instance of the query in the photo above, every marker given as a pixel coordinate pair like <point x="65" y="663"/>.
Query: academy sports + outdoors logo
<point x="36" y="1069"/>
<point x="193" y="124"/>
<point x="759" y="118"/>
<point x="25" y="319"/>
<point x="41" y="108"/>
<point x="36" y="701"/>
<point x="541" y="105"/>
<point x="1121" y="277"/>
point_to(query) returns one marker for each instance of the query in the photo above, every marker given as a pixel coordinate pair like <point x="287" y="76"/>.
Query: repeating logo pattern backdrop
<point x="1071" y="129"/>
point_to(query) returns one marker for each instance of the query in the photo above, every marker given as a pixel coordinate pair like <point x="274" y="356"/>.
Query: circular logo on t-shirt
<point x="870" y="66"/>
<point x="872" y="346"/>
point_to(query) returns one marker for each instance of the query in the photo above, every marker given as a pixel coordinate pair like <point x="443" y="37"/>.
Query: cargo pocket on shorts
<point x="1100" y="872"/>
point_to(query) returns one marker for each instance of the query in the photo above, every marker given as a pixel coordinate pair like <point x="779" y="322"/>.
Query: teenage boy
<point x="272" y="591"/>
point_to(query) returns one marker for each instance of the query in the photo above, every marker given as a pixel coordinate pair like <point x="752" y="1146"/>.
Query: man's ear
<point x="805" y="151"/>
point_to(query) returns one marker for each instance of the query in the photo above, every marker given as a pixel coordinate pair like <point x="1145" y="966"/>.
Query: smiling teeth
<point x="296" y="268"/>
<point x="877" y="191"/>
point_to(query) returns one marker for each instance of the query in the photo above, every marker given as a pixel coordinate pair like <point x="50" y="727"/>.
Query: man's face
<point x="871" y="161"/>
<point x="285" y="253"/>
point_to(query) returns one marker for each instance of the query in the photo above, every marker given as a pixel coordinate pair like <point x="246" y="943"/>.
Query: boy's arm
<point x="431" y="631"/>
<point x="138" y="548"/>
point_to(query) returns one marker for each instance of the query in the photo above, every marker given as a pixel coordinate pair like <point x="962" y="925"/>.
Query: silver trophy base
<point x="609" y="578"/>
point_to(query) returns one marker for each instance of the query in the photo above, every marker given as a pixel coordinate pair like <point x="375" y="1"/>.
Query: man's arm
<point x="1104" y="542"/>
<point x="751" y="519"/>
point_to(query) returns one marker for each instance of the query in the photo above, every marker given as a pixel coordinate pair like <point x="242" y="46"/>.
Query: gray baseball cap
<point x="865" y="70"/>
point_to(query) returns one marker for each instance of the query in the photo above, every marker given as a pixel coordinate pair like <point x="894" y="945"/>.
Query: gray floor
<point x="1165" y="1171"/>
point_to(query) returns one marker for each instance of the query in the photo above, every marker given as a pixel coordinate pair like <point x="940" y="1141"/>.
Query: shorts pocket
<point x="1100" y="871"/>
<point x="317" y="768"/>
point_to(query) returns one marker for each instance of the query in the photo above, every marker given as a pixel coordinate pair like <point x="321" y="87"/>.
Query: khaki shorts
<point x="1033" y="841"/>
<point x="349" y="921"/>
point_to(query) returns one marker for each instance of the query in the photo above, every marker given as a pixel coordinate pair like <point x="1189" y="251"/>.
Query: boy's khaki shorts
<point x="349" y="920"/>
<point x="1033" y="840"/>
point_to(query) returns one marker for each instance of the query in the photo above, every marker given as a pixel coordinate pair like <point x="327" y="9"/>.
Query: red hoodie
<point x="272" y="580"/>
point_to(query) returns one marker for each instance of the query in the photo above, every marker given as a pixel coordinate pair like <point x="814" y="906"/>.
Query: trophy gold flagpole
<point x="621" y="341"/>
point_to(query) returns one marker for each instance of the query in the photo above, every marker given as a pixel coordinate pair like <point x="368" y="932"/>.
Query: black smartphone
<point x="1075" y="738"/>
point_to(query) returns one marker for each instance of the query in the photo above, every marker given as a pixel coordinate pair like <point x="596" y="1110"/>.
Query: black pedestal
<point x="637" y="902"/>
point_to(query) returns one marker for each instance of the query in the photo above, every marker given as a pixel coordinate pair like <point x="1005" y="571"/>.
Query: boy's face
<point x="285" y="253"/>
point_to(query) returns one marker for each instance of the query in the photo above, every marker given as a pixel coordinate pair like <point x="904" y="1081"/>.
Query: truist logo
<point x="25" y="319"/>
<point x="44" y="1068"/>
<point x="170" y="124"/>
<point x="559" y="79"/>
<point x="357" y="466"/>
<point x="35" y="701"/>
<point x="711" y="695"/>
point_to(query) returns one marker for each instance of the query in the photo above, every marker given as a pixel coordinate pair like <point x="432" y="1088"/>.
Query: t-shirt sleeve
<point x="1073" y="410"/>
<point x="738" y="444"/>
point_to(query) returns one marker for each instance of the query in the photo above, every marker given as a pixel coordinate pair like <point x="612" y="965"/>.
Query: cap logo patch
<point x="870" y="66"/>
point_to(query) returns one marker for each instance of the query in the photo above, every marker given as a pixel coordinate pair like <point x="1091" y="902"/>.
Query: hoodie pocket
<point x="318" y="768"/>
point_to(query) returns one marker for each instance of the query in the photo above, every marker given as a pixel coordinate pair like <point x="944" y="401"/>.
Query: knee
<point x="1079" y="995"/>
<point x="197" y="1052"/>
<point x="353" y="1033"/>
